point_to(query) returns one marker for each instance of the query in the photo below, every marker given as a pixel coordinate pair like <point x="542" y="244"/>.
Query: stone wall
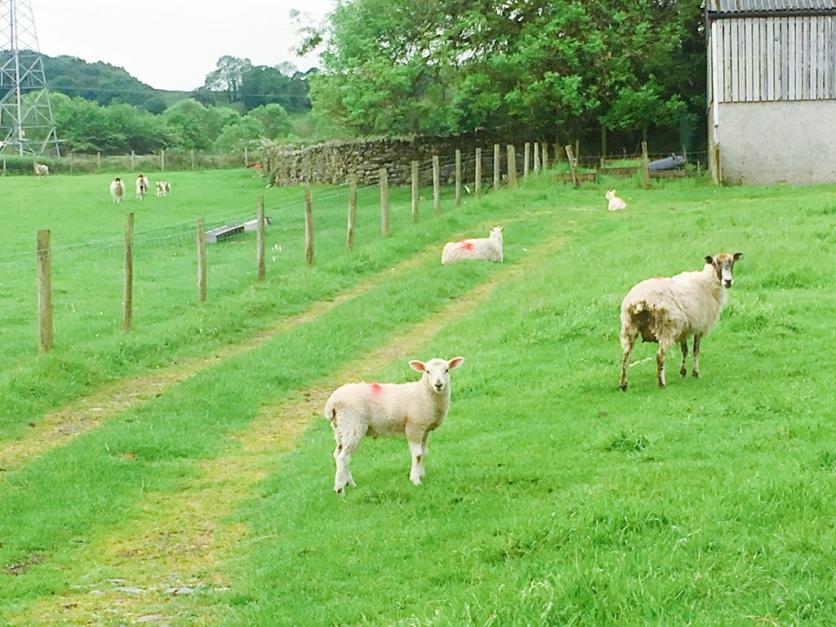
<point x="337" y="161"/>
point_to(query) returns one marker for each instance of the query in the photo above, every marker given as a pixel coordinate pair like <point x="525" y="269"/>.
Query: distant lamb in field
<point x="616" y="203"/>
<point x="117" y="190"/>
<point x="486" y="248"/>
<point x="377" y="409"/>
<point x="163" y="188"/>
<point x="142" y="185"/>
<point x="41" y="169"/>
<point x="670" y="310"/>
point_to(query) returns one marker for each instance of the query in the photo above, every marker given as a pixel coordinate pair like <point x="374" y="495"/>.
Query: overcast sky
<point x="173" y="44"/>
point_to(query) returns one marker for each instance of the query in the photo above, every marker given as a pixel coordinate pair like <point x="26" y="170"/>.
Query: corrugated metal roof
<point x="754" y="7"/>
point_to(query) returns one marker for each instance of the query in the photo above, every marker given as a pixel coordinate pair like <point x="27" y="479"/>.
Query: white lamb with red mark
<point x="670" y="310"/>
<point x="383" y="409"/>
<point x="485" y="248"/>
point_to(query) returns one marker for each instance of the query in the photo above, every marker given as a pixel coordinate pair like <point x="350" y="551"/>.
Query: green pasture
<point x="551" y="497"/>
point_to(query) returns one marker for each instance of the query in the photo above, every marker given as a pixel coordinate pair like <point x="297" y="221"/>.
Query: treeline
<point x="539" y="67"/>
<point x="86" y="126"/>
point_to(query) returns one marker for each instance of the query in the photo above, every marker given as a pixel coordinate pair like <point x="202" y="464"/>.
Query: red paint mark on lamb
<point x="466" y="245"/>
<point x="376" y="388"/>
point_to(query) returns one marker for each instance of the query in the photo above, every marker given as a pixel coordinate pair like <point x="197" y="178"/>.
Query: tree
<point x="244" y="132"/>
<point x="190" y="124"/>
<point x="262" y="84"/>
<point x="227" y="77"/>
<point x="533" y="66"/>
<point x="274" y="120"/>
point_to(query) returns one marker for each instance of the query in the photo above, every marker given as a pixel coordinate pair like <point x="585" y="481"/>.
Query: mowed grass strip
<point x="186" y="538"/>
<point x="552" y="497"/>
<point x="57" y="504"/>
<point x="91" y="349"/>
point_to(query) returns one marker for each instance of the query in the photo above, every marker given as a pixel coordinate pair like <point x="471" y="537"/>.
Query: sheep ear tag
<point x="417" y="365"/>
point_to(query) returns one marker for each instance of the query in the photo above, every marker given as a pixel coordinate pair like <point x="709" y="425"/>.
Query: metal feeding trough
<point x="228" y="231"/>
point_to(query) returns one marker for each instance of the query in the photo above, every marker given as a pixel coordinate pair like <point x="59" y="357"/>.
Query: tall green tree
<point x="440" y="66"/>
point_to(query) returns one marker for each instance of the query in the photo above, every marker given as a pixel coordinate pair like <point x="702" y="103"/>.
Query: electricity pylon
<point x="27" y="125"/>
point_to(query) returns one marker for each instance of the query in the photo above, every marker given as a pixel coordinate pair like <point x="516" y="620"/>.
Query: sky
<point x="174" y="44"/>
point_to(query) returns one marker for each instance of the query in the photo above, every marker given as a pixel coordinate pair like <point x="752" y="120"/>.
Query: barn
<point x="772" y="90"/>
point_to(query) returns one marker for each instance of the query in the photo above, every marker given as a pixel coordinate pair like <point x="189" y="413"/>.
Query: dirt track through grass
<point x="183" y="539"/>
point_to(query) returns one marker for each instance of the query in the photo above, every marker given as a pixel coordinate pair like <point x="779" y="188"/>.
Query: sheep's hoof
<point x="682" y="371"/>
<point x="623" y="387"/>
<point x="415" y="481"/>
<point x="696" y="374"/>
<point x="662" y="385"/>
<point x="340" y="490"/>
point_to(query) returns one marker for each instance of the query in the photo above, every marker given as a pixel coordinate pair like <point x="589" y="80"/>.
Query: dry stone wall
<point x="335" y="162"/>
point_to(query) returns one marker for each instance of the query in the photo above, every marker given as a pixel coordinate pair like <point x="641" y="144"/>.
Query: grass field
<point x="182" y="474"/>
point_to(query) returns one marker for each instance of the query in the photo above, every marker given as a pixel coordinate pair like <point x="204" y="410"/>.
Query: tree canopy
<point x="450" y="66"/>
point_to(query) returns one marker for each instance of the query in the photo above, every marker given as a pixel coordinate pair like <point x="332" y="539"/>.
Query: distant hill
<point x="104" y="83"/>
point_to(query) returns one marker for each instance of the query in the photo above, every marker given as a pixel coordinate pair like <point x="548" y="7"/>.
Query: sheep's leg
<point x="684" y="346"/>
<point x="416" y="450"/>
<point x="660" y="363"/>
<point x="423" y="454"/>
<point x="696" y="370"/>
<point x="348" y="440"/>
<point x="627" y="342"/>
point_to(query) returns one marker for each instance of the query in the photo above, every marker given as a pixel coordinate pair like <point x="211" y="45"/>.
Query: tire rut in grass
<point x="181" y="539"/>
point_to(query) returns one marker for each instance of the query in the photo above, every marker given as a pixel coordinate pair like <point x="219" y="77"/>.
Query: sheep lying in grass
<point x="486" y="248"/>
<point x="117" y="190"/>
<point x="416" y="408"/>
<point x="670" y="310"/>
<point x="615" y="203"/>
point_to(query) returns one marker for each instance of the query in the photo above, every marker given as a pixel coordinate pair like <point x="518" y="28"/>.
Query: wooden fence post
<point x="512" y="166"/>
<point x="162" y="159"/>
<point x="558" y="150"/>
<point x="526" y="159"/>
<point x="133" y="160"/>
<point x="98" y="162"/>
<point x="572" y="164"/>
<point x="192" y="156"/>
<point x="309" y="243"/>
<point x="645" y="167"/>
<point x="436" y="186"/>
<point x="536" y="167"/>
<point x="201" y="260"/>
<point x="384" y="202"/>
<point x="577" y="152"/>
<point x="246" y="157"/>
<point x="44" y="291"/>
<point x="352" y="212"/>
<point x="413" y="166"/>
<point x="259" y="240"/>
<point x="496" y="167"/>
<point x="603" y="145"/>
<point x="128" y="300"/>
<point x="4" y="165"/>
<point x="544" y="154"/>
<point x="477" y="180"/>
<point x="458" y="202"/>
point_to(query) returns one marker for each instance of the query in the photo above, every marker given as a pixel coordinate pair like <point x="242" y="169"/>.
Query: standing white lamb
<point x="670" y="310"/>
<point x="615" y="203"/>
<point x="117" y="190"/>
<point x="485" y="248"/>
<point x="377" y="409"/>
<point x="41" y="169"/>
<point x="142" y="185"/>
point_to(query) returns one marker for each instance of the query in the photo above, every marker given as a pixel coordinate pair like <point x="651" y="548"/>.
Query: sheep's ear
<point x="709" y="260"/>
<point x="455" y="362"/>
<point x="737" y="256"/>
<point x="417" y="365"/>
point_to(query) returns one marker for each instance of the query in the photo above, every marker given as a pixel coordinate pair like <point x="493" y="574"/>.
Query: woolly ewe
<point x="117" y="190"/>
<point x="486" y="248"/>
<point x="615" y="203"/>
<point x="377" y="409"/>
<point x="670" y="310"/>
